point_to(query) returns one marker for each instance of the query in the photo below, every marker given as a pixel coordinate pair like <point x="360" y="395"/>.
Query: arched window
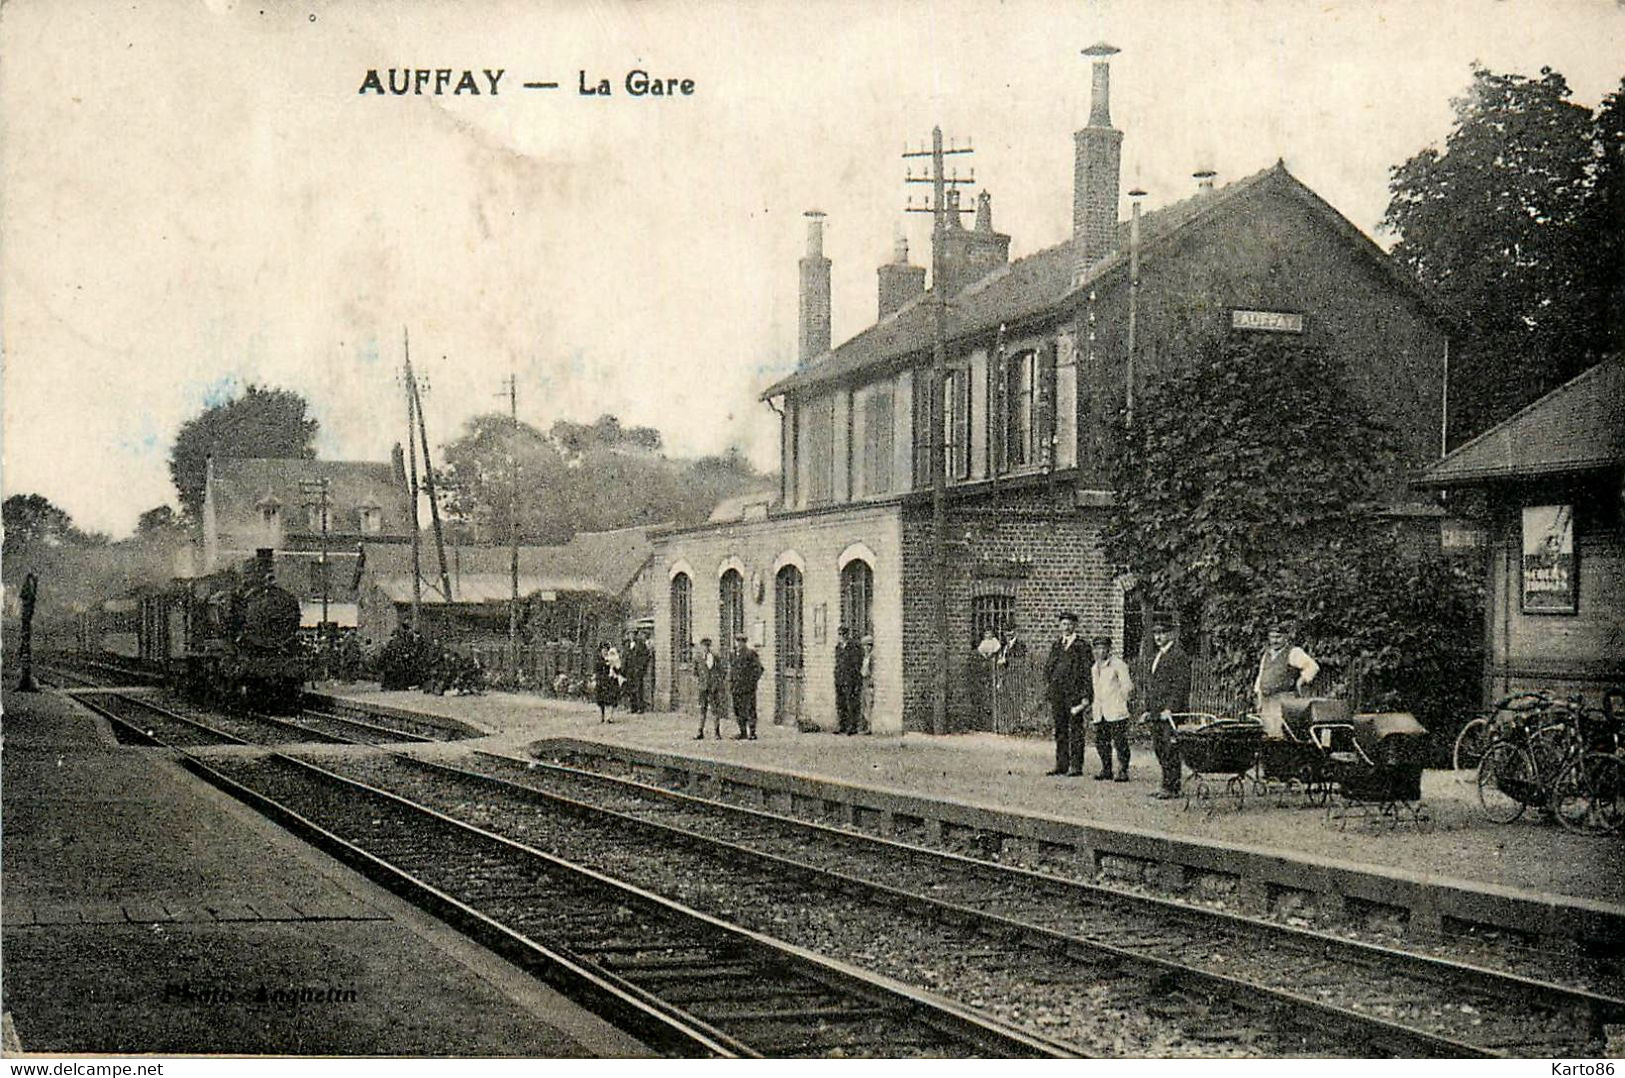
<point x="787" y="618"/>
<point x="857" y="596"/>
<point x="789" y="673"/>
<point x="731" y="604"/>
<point x="682" y="620"/>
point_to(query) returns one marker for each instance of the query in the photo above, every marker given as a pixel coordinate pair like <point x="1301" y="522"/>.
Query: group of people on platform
<point x="1091" y="684"/>
<point x="621" y="675"/>
<point x="737" y="676"/>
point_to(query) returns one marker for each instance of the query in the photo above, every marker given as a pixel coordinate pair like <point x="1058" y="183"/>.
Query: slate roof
<point x="239" y="485"/>
<point x="604" y="562"/>
<point x="1578" y="427"/>
<point x="1042" y="282"/>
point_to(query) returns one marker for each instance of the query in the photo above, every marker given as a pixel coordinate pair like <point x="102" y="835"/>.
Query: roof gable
<point x="240" y="487"/>
<point x="1044" y="282"/>
<point x="604" y="562"/>
<point x="1579" y="426"/>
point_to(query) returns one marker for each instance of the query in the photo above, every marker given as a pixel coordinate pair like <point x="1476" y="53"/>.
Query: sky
<point x="195" y="196"/>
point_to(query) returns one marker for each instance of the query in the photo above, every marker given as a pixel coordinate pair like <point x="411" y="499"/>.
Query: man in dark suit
<point x="711" y="677"/>
<point x="743" y="673"/>
<point x="1167" y="693"/>
<point x="848" y="682"/>
<point x="1066" y="677"/>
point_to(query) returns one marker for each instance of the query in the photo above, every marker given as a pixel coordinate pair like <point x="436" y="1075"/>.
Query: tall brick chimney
<point x="1097" y="166"/>
<point x="814" y="325"/>
<point x="899" y="281"/>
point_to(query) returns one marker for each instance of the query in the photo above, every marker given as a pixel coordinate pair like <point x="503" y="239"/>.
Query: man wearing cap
<point x="709" y="676"/>
<point x="743" y="674"/>
<point x="1109" y="677"/>
<point x="1167" y="694"/>
<point x="1284" y="670"/>
<point x="1066" y="678"/>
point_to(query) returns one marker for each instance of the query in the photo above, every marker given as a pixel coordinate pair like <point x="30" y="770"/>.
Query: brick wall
<point x="1047" y="555"/>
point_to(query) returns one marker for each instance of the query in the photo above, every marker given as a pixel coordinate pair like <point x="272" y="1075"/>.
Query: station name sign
<point x="1266" y="321"/>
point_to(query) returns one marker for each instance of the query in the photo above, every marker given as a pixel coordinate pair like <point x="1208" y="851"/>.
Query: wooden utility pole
<point x="513" y="524"/>
<point x="412" y="458"/>
<point x="434" y="503"/>
<point x="939" y="210"/>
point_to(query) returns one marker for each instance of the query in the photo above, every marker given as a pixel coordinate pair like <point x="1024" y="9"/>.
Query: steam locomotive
<point x="230" y="639"/>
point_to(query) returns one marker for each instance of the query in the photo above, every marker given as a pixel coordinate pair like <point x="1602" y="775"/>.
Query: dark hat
<point x="1067" y="615"/>
<point x="705" y="640"/>
<point x="1101" y="639"/>
<point x="1162" y="620"/>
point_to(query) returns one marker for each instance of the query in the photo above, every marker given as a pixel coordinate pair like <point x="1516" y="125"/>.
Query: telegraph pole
<point x="513" y="525"/>
<point x="434" y="503"/>
<point x="412" y="457"/>
<point x="939" y="210"/>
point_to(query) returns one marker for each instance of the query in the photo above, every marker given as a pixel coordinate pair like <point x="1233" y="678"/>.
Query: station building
<point x="1547" y="486"/>
<point x="1038" y="366"/>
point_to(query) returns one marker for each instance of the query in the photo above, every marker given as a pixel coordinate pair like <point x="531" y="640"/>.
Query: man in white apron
<point x="1284" y="670"/>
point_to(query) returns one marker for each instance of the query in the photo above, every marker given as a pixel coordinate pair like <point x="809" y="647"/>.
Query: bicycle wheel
<point x="1507" y="783"/>
<point x="1589" y="796"/>
<point x="1471" y="744"/>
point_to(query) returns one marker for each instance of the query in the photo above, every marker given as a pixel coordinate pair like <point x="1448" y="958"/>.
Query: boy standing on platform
<point x="709" y="676"/>
<point x="1112" y="684"/>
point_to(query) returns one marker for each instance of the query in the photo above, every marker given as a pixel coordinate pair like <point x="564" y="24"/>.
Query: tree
<point x="581" y="477"/>
<point x="159" y="521"/>
<point x="1503" y="226"/>
<point x="260" y="423"/>
<point x="31" y="520"/>
<point x="1244" y="491"/>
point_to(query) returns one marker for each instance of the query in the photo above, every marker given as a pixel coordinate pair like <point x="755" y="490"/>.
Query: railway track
<point x="1381" y="1001"/>
<point x="687" y="983"/>
<point x="187" y="725"/>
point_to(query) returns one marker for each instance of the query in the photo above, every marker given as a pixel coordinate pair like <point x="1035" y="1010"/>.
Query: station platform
<point x="144" y="912"/>
<point x="1530" y="861"/>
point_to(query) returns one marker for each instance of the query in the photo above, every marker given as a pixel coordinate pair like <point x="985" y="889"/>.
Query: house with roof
<point x="313" y="514"/>
<point x="1039" y="365"/>
<point x="577" y="592"/>
<point x="1547" y="486"/>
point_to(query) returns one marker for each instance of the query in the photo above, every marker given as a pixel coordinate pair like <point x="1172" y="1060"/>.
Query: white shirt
<point x="1297" y="658"/>
<point x="1160" y="653"/>
<point x="1112" y="686"/>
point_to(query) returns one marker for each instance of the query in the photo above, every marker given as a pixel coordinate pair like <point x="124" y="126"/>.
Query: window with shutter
<point x="956" y="424"/>
<point x="1045" y="418"/>
<point x="821" y="451"/>
<point x="1019" y="391"/>
<point x="877" y="441"/>
<point x="922" y="429"/>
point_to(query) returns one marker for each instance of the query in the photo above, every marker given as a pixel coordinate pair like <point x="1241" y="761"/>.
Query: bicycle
<point x="1529" y="752"/>
<point x="1478" y="734"/>
<point x="1588" y="795"/>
